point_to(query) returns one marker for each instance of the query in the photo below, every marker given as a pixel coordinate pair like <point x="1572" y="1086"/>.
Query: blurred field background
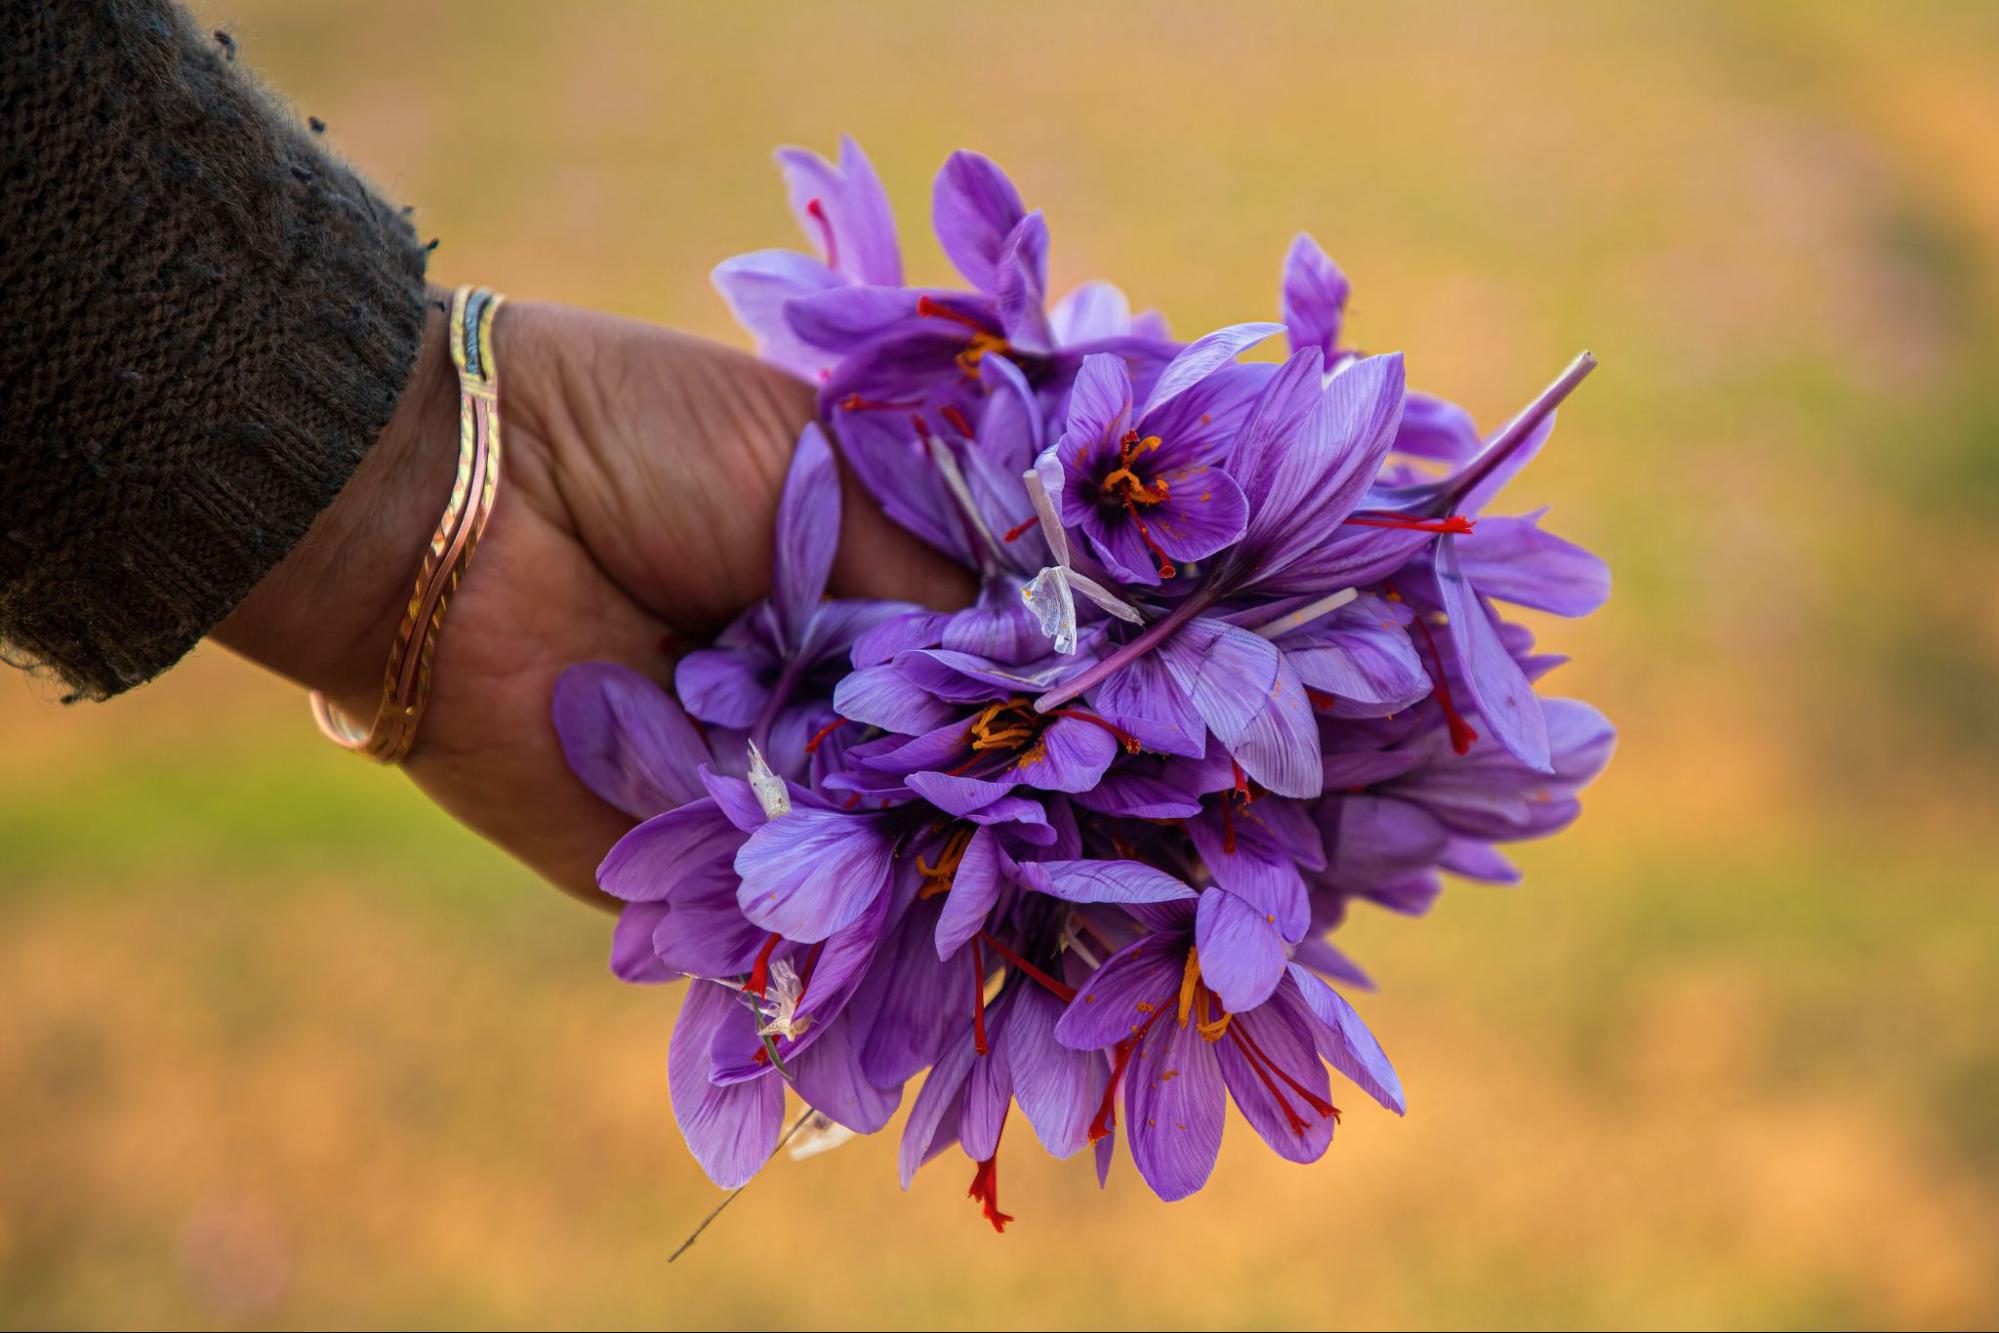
<point x="280" y="1045"/>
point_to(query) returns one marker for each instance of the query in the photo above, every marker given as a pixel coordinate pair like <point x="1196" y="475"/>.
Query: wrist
<point x="327" y="614"/>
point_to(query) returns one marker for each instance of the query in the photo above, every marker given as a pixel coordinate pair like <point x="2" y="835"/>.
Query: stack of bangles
<point x="406" y="683"/>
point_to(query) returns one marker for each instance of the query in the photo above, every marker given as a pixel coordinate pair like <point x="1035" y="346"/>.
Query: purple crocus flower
<point x="1179" y="1051"/>
<point x="773" y="670"/>
<point x="844" y="212"/>
<point x="1239" y="626"/>
<point x="1313" y="304"/>
<point x="1148" y="490"/>
<point x="631" y="744"/>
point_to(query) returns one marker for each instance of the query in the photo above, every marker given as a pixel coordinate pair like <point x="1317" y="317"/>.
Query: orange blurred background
<point x="281" y="1045"/>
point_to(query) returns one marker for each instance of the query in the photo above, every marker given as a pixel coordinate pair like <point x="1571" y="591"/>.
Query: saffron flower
<point x="1239" y="666"/>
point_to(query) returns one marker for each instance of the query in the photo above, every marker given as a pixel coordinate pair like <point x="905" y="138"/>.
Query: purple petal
<point x="1434" y="429"/>
<point x="844" y="212"/>
<point x="1133" y="796"/>
<point x="1315" y="483"/>
<point x="724" y="686"/>
<point x="1505" y="701"/>
<point x="1345" y="1041"/>
<point x="904" y="1003"/>
<point x="1512" y="560"/>
<point x="1242" y="955"/>
<point x="736" y="799"/>
<point x="1280" y="746"/>
<point x="845" y="320"/>
<point x="1058" y="1089"/>
<point x="627" y="739"/>
<point x="1072" y="756"/>
<point x="1094" y="881"/>
<point x="1374" y="840"/>
<point x="957" y="795"/>
<point x="1364" y="768"/>
<point x="1283" y="1041"/>
<point x="1362" y="654"/>
<point x="1123" y="995"/>
<point x="1313" y="299"/>
<point x="1174" y="1105"/>
<point x="881" y="696"/>
<point x="938" y="1109"/>
<point x="974" y="208"/>
<point x="989" y="1087"/>
<point x="705" y="934"/>
<point x="1203" y="513"/>
<point x="1226" y="673"/>
<point x="913" y="629"/>
<point x="759" y="289"/>
<point x="808" y="873"/>
<point x="1021" y="292"/>
<point x="975" y="888"/>
<point x="808" y="531"/>
<point x="829" y="1080"/>
<point x="730" y="1130"/>
<point x="1477" y="860"/>
<point x="1274" y="425"/>
<point x="1094" y="310"/>
<point x="633" y="958"/>
<point x="1203" y="357"/>
<point x="1264" y="877"/>
<point x="681" y="851"/>
<point x="1143" y="700"/>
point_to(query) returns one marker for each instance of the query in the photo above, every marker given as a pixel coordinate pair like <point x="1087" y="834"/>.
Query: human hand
<point x="635" y="518"/>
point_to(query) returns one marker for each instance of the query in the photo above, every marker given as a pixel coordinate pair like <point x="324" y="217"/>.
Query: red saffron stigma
<point x="1124" y="738"/>
<point x="811" y="961"/>
<point x="812" y="746"/>
<point x="1106" y="1117"/>
<point x="853" y="402"/>
<point x="985" y="1187"/>
<point x="1250" y="1053"/>
<point x="1456" y="523"/>
<point x="818" y="214"/>
<point x="979" y="1001"/>
<point x="1462" y="734"/>
<point x="853" y="799"/>
<point x="1019" y="530"/>
<point x="1166" y="569"/>
<point x="957" y="420"/>
<point x="1059" y="990"/>
<point x="937" y="310"/>
<point x="760" y="970"/>
<point x="1312" y="1099"/>
<point x="1319" y="698"/>
<point x="1241" y="781"/>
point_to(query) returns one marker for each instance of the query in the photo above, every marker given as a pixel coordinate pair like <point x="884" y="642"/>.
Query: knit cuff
<point x="208" y="321"/>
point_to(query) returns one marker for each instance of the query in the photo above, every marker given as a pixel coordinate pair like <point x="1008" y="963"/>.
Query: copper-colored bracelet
<point x="406" y="683"/>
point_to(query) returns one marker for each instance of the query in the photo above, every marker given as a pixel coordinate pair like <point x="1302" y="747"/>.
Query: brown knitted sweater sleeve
<point x="205" y="320"/>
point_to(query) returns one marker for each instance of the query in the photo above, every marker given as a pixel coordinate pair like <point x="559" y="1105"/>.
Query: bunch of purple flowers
<point x="1236" y="662"/>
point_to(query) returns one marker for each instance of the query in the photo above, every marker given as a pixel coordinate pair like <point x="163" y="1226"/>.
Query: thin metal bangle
<point x="406" y="680"/>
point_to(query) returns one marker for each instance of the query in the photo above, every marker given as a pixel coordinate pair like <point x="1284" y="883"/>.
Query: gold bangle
<point x="406" y="682"/>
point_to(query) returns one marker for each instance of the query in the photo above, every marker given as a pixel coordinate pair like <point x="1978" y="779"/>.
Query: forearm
<point x="325" y="615"/>
<point x="205" y="323"/>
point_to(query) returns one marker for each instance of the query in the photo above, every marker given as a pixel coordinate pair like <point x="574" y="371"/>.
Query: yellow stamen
<point x="975" y="352"/>
<point x="1190" y="981"/>
<point x="1123" y="484"/>
<point x="939" y="878"/>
